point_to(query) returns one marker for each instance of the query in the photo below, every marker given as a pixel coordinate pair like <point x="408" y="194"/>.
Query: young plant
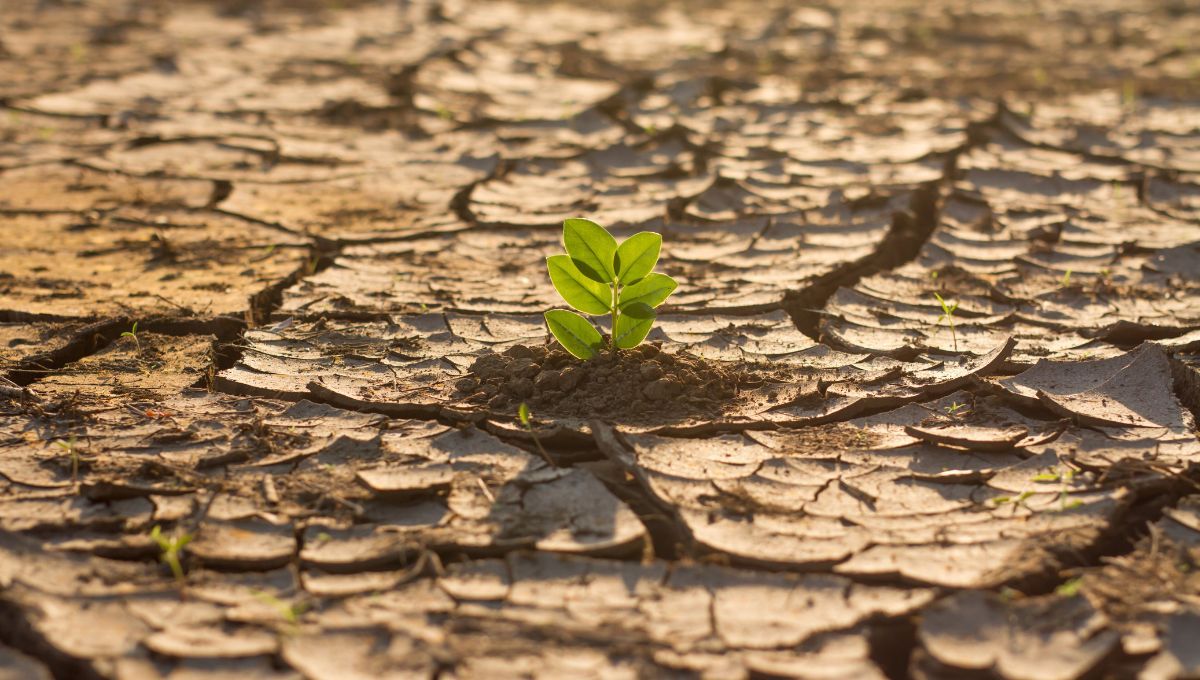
<point x="1066" y="279"/>
<point x="523" y="417"/>
<point x="598" y="276"/>
<point x="1070" y="587"/>
<point x="1065" y="502"/>
<point x="1017" y="501"/>
<point x="948" y="314"/>
<point x="288" y="611"/>
<point x="69" y="449"/>
<point x="171" y="550"/>
<point x="132" y="333"/>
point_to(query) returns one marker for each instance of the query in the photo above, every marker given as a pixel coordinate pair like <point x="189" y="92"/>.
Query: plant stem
<point x="612" y="338"/>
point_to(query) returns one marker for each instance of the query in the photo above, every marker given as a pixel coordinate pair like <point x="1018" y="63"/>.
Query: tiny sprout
<point x="290" y="611"/>
<point x="171" y="550"/>
<point x="1040" y="78"/>
<point x="1009" y="594"/>
<point x="527" y="423"/>
<point x="1070" y="587"/>
<point x="1128" y="93"/>
<point x="948" y="314"/>
<point x="1065" y="504"/>
<point x="954" y="408"/>
<point x="1019" y="500"/>
<point x="132" y="333"/>
<point x="1066" y="279"/>
<point x="68" y="447"/>
<point x="598" y="276"/>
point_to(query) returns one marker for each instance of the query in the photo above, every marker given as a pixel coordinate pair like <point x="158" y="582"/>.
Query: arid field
<point x="922" y="403"/>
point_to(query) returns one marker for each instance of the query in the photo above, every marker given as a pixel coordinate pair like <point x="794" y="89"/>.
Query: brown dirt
<point x="642" y="384"/>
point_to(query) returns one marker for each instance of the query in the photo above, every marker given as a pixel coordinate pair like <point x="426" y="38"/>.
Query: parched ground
<point x="328" y="221"/>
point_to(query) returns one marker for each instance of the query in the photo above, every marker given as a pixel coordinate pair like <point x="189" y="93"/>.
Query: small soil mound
<point x="639" y="384"/>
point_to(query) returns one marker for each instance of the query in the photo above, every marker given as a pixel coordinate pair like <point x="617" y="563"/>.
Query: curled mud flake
<point x="1046" y="638"/>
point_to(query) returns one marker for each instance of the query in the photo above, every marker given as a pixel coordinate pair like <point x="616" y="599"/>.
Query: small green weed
<point x="70" y="449"/>
<point x="1065" y="477"/>
<point x="948" y="314"/>
<point x="132" y="333"/>
<point x="597" y="276"/>
<point x="288" y="611"/>
<point x="1066" y="279"/>
<point x="527" y="423"/>
<point x="1017" y="501"/>
<point x="1129" y="94"/>
<point x="1070" y="587"/>
<point x="171" y="550"/>
<point x="954" y="408"/>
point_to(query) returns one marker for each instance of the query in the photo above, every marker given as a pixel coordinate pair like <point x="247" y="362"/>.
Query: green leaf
<point x="633" y="325"/>
<point x="574" y="333"/>
<point x="637" y="255"/>
<point x="592" y="248"/>
<point x="523" y="414"/>
<point x="650" y="291"/>
<point x="1069" y="588"/>
<point x="578" y="290"/>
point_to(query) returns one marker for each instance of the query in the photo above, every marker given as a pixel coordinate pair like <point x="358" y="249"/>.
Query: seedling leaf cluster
<point x="948" y="310"/>
<point x="599" y="276"/>
<point x="171" y="550"/>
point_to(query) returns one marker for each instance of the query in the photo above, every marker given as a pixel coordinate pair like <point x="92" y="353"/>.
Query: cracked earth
<point x="328" y="221"/>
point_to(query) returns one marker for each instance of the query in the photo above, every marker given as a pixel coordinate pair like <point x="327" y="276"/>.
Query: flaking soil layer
<point x="642" y="383"/>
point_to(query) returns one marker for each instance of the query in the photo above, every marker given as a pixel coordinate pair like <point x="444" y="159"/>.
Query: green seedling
<point x="1065" y="502"/>
<point x="1070" y="587"/>
<point x="1128" y="93"/>
<point x="948" y="314"/>
<point x="1040" y="78"/>
<point x="527" y="423"/>
<point x="288" y="611"/>
<point x="1066" y="279"/>
<point x="1017" y="501"/>
<point x="598" y="276"/>
<point x="132" y="333"/>
<point x="1010" y="594"/>
<point x="954" y="408"/>
<point x="171" y="550"/>
<point x="1064" y="478"/>
<point x="68" y="447"/>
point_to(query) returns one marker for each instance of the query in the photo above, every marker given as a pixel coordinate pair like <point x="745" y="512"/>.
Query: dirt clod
<point x="630" y="384"/>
